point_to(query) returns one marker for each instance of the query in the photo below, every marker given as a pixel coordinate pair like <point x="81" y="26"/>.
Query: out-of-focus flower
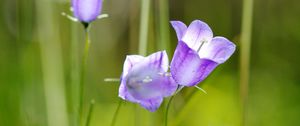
<point x="145" y="80"/>
<point x="86" y="10"/>
<point x="198" y="53"/>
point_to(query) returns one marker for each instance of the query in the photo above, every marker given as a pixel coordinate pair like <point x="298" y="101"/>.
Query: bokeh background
<point x="40" y="52"/>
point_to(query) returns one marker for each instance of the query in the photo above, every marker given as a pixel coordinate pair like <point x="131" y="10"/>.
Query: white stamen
<point x="168" y="74"/>
<point x="112" y="80"/>
<point x="201" y="89"/>
<point x="161" y="73"/>
<point x="102" y="16"/>
<point x="71" y="9"/>
<point x="147" y="79"/>
<point x="69" y="17"/>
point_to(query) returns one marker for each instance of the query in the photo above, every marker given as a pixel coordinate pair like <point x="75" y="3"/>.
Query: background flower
<point x="87" y="10"/>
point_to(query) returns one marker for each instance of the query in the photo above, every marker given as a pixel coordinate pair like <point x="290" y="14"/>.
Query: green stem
<point x="116" y="113"/>
<point x="245" y="55"/>
<point x="164" y="32"/>
<point x="75" y="72"/>
<point x="83" y="67"/>
<point x="144" y="27"/>
<point x="167" y="110"/>
<point x="90" y="112"/>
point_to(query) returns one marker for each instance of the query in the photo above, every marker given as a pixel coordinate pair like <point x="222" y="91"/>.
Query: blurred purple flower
<point x="145" y="80"/>
<point x="87" y="10"/>
<point x="198" y="53"/>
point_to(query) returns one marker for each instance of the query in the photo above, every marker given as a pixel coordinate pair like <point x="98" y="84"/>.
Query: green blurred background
<point x="40" y="53"/>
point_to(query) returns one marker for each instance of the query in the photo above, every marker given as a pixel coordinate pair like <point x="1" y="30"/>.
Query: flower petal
<point x="152" y="104"/>
<point x="130" y="61"/>
<point x="158" y="60"/>
<point x="147" y="81"/>
<point x="196" y="33"/>
<point x="179" y="27"/>
<point x="187" y="68"/>
<point x="218" y="50"/>
<point x="87" y="10"/>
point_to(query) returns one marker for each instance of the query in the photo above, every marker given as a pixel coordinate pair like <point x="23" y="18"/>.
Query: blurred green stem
<point x="144" y="27"/>
<point x="164" y="34"/>
<point x="75" y="73"/>
<point x="52" y="68"/>
<point x="90" y="112"/>
<point x="83" y="67"/>
<point x="167" y="110"/>
<point x="113" y="121"/>
<point x="245" y="55"/>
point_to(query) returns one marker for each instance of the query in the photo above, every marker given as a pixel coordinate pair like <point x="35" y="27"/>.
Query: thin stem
<point x="116" y="113"/>
<point x="90" y="112"/>
<point x="75" y="72"/>
<point x="164" y="32"/>
<point x="144" y="26"/>
<point x="167" y="110"/>
<point x="245" y="55"/>
<point x="83" y="67"/>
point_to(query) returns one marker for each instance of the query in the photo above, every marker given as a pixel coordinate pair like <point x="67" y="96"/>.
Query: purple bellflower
<point x="146" y="81"/>
<point x="198" y="53"/>
<point x="86" y="10"/>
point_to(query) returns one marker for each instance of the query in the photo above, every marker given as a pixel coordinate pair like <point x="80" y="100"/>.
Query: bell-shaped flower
<point x="146" y="81"/>
<point x="198" y="53"/>
<point x="86" y="10"/>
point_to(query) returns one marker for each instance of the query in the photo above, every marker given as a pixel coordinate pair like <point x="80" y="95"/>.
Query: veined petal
<point x="87" y="10"/>
<point x="179" y="28"/>
<point x="218" y="50"/>
<point x="152" y="104"/>
<point x="187" y="68"/>
<point x="158" y="60"/>
<point x="146" y="81"/>
<point x="130" y="61"/>
<point x="196" y="33"/>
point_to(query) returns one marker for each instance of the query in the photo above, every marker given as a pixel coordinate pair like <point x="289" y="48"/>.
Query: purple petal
<point x="152" y="104"/>
<point x="179" y="27"/>
<point x="218" y="50"/>
<point x="196" y="33"/>
<point x="158" y="60"/>
<point x="187" y="68"/>
<point x="146" y="81"/>
<point x="87" y="10"/>
<point x="130" y="61"/>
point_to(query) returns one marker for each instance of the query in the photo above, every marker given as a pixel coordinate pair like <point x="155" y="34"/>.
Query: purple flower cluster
<point x="146" y="80"/>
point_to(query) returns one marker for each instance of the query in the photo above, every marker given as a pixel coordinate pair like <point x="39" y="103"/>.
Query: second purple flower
<point x="198" y="53"/>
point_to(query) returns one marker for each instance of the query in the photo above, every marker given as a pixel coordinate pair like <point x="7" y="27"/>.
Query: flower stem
<point x="164" y="35"/>
<point x="116" y="113"/>
<point x="83" y="67"/>
<point x="245" y="55"/>
<point x="144" y="26"/>
<point x="90" y="112"/>
<point x="167" y="110"/>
